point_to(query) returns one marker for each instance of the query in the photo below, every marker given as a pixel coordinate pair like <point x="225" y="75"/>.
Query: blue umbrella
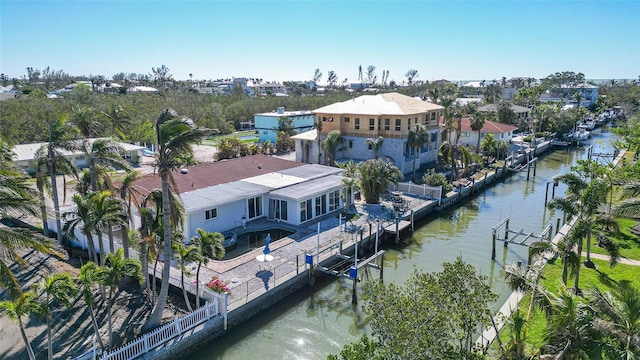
<point x="266" y="245"/>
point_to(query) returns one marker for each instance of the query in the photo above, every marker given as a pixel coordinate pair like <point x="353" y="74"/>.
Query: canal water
<point x="318" y="321"/>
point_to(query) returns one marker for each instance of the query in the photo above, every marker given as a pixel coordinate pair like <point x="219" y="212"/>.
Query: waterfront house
<point x="390" y="116"/>
<point x="25" y="154"/>
<point x="267" y="123"/>
<point x="229" y="194"/>
<point x="468" y="136"/>
<point x="522" y="113"/>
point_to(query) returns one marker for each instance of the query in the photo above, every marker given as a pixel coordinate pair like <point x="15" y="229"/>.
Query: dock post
<point x="361" y="237"/>
<point x="506" y="233"/>
<point x="382" y="267"/>
<point x="493" y="245"/>
<point x="535" y="166"/>
<point x="557" y="225"/>
<point x="354" y="294"/>
<point x="412" y="228"/>
<point x="369" y="238"/>
<point x="340" y="247"/>
<point x="397" y="225"/>
<point x="528" y="167"/>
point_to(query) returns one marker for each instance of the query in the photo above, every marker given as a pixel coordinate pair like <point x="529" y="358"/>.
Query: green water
<point x="318" y="321"/>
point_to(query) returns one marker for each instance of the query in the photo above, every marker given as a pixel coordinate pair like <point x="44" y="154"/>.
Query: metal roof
<point x="213" y="196"/>
<point x="26" y="152"/>
<point x="312" y="171"/>
<point x="309" y="189"/>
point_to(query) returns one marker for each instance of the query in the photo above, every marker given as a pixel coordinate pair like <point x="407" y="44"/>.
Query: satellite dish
<point x="184" y="171"/>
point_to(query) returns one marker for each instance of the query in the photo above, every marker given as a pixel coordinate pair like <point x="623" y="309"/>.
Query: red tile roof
<point x="219" y="172"/>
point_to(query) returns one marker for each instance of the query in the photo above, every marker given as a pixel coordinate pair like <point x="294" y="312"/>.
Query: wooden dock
<point x="402" y="224"/>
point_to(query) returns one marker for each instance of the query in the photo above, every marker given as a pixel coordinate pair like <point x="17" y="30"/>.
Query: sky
<point x="287" y="40"/>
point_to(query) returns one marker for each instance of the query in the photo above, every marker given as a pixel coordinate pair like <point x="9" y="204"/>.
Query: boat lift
<point x="545" y="235"/>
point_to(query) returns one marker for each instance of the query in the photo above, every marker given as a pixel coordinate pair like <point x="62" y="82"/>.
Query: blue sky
<point x="288" y="40"/>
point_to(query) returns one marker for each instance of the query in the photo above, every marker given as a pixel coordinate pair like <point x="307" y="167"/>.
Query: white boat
<point x="581" y="134"/>
<point x="587" y="125"/>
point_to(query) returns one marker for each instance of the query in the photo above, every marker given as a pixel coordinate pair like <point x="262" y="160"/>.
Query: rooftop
<point x="26" y="152"/>
<point x="381" y="104"/>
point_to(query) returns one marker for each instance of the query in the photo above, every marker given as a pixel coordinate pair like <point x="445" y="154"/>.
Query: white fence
<point x="163" y="334"/>
<point x="425" y="191"/>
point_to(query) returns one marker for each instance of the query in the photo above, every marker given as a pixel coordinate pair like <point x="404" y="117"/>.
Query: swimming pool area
<point x="249" y="241"/>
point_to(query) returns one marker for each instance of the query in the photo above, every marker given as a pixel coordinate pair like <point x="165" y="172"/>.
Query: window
<point x="434" y="139"/>
<point x="324" y="118"/>
<point x="357" y="124"/>
<point x="211" y="214"/>
<point x="433" y="116"/>
<point x="387" y="124"/>
<point x="350" y="144"/>
<point x="466" y="134"/>
<point x="346" y="119"/>
<point x="398" y="124"/>
<point x="408" y="124"/>
<point x="334" y="200"/>
<point x="305" y="210"/>
<point x="321" y="205"/>
<point x="372" y="124"/>
<point x="255" y="207"/>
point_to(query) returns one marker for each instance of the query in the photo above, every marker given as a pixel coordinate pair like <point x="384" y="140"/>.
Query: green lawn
<point x="602" y="277"/>
<point x="628" y="242"/>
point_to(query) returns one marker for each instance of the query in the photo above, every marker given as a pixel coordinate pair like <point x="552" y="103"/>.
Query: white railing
<point x="431" y="192"/>
<point x="166" y="332"/>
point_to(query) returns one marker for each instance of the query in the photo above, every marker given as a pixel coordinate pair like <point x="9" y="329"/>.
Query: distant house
<point x="588" y="93"/>
<point x="522" y="113"/>
<point x="469" y="136"/>
<point x="390" y="116"/>
<point x="267" y="123"/>
<point x="272" y="88"/>
<point x="252" y="188"/>
<point x="142" y="89"/>
<point x="25" y="154"/>
<point x="8" y="92"/>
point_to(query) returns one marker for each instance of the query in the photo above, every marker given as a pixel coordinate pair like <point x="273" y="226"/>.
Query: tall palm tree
<point x="618" y="316"/>
<point x="582" y="200"/>
<point x="332" y="144"/>
<point x="416" y="139"/>
<point x="115" y="269"/>
<point x="149" y="230"/>
<point x="103" y="153"/>
<point x="477" y="123"/>
<point x="375" y="176"/>
<point x="89" y="275"/>
<point x="175" y="135"/>
<point x="127" y="194"/>
<point x="318" y="126"/>
<point x="16" y="197"/>
<point x="23" y="305"/>
<point x="81" y="218"/>
<point x="186" y="255"/>
<point x="84" y="118"/>
<point x="58" y="288"/>
<point x="106" y="212"/>
<point x="60" y="138"/>
<point x="447" y="102"/>
<point x="210" y="245"/>
<point x="120" y="120"/>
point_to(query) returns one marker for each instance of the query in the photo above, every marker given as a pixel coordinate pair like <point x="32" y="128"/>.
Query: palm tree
<point x="16" y="196"/>
<point x="582" y="200"/>
<point x="489" y="145"/>
<point x="318" y="126"/>
<point x="186" y="255"/>
<point x="57" y="288"/>
<point x="84" y="118"/>
<point x="81" y="217"/>
<point x="332" y="144"/>
<point x="120" y="120"/>
<point x="89" y="275"/>
<point x="375" y="145"/>
<point x="618" y="317"/>
<point x="127" y="194"/>
<point x="106" y="211"/>
<point x="60" y="138"/>
<point x="23" y="305"/>
<point x="447" y="102"/>
<point x="477" y="123"/>
<point x="454" y="154"/>
<point x="630" y="206"/>
<point x="375" y="176"/>
<point x="416" y="139"/>
<point x="148" y="249"/>
<point x="174" y="137"/>
<point x="103" y="153"/>
<point x="210" y="245"/>
<point x="115" y="269"/>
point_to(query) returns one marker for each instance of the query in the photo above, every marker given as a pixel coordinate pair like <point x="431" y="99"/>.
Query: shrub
<point x="433" y="178"/>
<point x="218" y="285"/>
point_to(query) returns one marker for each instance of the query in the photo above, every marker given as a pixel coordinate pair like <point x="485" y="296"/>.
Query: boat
<point x="581" y="134"/>
<point x="587" y="124"/>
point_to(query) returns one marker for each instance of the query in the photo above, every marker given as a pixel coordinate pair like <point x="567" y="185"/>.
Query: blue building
<point x="266" y="124"/>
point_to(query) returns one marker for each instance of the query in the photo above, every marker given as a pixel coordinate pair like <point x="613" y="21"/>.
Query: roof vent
<point x="184" y="171"/>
